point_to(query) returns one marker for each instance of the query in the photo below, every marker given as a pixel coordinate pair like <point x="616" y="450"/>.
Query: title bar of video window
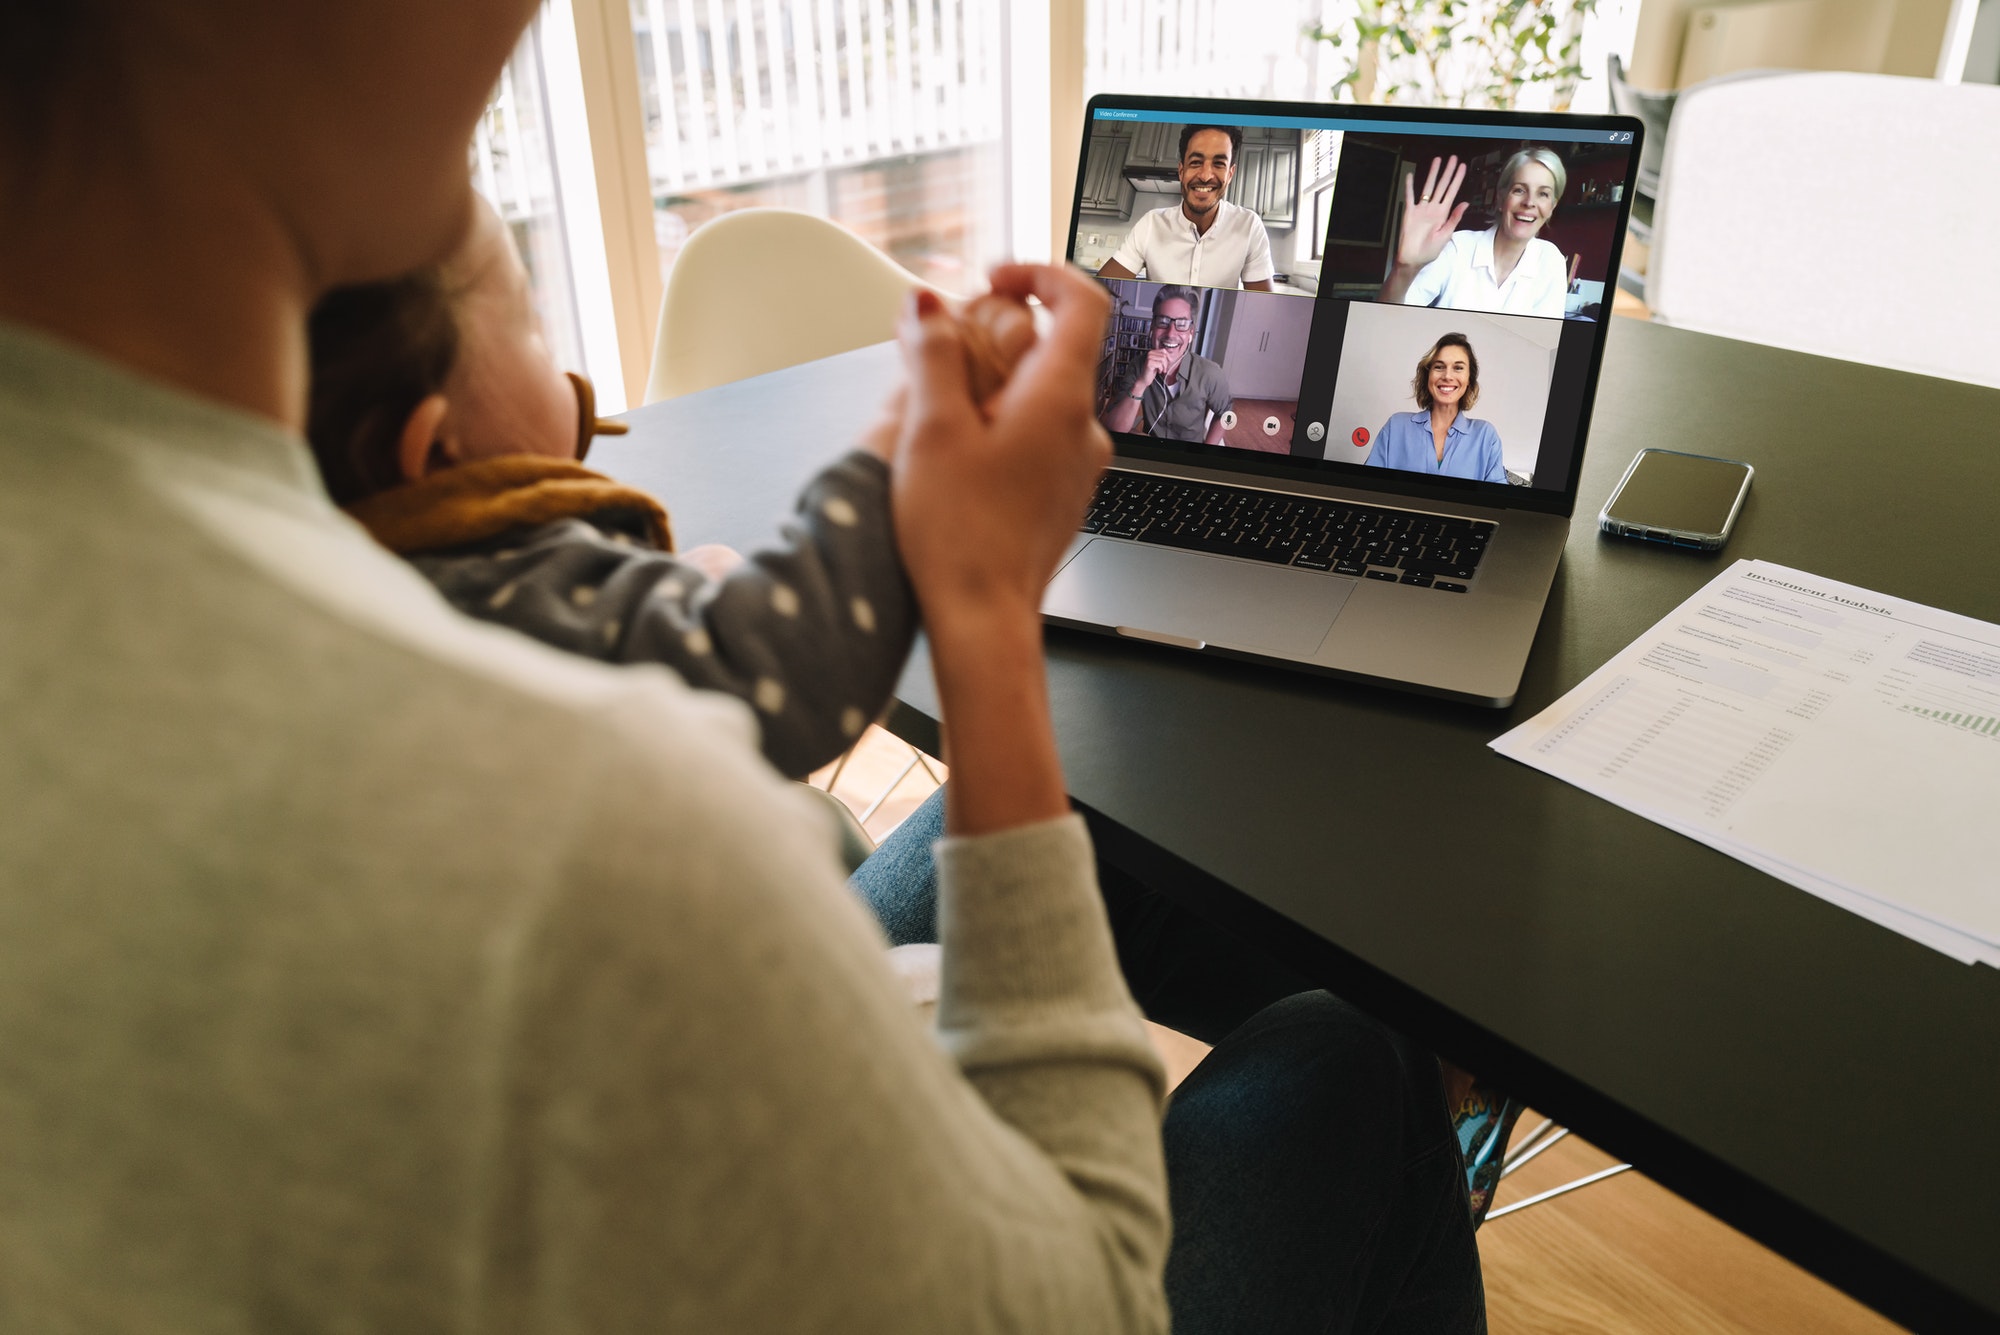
<point x="1360" y="126"/>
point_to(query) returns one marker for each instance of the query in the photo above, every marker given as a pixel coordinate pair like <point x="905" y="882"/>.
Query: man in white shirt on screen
<point x="1205" y="241"/>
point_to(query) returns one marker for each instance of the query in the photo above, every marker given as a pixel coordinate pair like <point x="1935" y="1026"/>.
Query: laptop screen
<point x="1400" y="296"/>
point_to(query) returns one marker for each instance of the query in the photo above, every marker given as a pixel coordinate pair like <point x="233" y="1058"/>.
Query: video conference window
<point x="1204" y="205"/>
<point x="1213" y="366"/>
<point x="1454" y="271"/>
<point x="1442" y="393"/>
<point x="1522" y="227"/>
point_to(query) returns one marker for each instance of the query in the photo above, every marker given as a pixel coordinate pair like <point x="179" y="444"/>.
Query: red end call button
<point x="1360" y="438"/>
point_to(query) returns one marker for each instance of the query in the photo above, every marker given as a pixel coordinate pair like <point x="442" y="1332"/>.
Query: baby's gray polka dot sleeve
<point x="812" y="632"/>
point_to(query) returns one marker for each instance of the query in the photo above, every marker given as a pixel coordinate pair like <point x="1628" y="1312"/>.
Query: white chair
<point x="1849" y="215"/>
<point x="761" y="289"/>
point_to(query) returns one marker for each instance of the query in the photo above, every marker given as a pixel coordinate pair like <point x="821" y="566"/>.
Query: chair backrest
<point x="761" y="289"/>
<point x="1849" y="215"/>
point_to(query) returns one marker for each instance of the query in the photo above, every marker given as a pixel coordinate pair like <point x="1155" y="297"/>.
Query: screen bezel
<point x="1331" y="472"/>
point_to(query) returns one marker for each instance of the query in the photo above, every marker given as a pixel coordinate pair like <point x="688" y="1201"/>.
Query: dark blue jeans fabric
<point x="1315" y="1181"/>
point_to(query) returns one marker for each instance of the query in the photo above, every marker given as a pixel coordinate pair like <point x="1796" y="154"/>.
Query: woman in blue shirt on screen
<point x="1440" y="439"/>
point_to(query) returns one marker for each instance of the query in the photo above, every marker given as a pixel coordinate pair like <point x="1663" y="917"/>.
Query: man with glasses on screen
<point x="1206" y="240"/>
<point x="1173" y="394"/>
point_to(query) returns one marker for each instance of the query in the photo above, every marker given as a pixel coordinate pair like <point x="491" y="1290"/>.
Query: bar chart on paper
<point x="1988" y="726"/>
<point x="1839" y="739"/>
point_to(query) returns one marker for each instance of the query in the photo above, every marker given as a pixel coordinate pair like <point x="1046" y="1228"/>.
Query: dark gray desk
<point x="1820" y="1083"/>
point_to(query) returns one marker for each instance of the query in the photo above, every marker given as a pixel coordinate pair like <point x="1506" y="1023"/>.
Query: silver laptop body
<point x="1411" y="613"/>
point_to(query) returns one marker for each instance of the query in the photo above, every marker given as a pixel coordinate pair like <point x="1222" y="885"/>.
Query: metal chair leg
<point x="1528" y="1151"/>
<point x="1554" y="1192"/>
<point x="876" y="805"/>
<point x="1525" y="1142"/>
<point x="1545" y="1135"/>
<point x="840" y="765"/>
<point x="917" y="758"/>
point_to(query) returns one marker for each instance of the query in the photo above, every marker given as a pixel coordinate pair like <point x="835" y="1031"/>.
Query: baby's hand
<point x="713" y="559"/>
<point x="997" y="331"/>
<point x="880" y="439"/>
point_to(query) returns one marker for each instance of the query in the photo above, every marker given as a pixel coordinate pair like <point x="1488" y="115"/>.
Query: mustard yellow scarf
<point x="473" y="502"/>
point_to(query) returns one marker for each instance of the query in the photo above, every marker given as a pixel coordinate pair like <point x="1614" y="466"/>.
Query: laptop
<point x="1349" y="411"/>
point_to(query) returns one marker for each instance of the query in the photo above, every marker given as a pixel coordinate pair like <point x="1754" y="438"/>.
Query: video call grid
<point x="1475" y="448"/>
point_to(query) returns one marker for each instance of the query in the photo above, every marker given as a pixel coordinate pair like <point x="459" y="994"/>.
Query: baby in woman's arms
<point x="443" y="425"/>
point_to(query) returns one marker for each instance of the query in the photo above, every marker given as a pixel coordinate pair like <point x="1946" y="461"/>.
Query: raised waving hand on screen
<point x="1429" y="221"/>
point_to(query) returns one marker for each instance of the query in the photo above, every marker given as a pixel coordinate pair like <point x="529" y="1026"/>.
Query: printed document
<point x="1842" y="740"/>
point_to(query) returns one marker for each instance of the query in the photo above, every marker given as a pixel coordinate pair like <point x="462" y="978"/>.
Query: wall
<point x="1786" y="34"/>
<point x="1379" y="358"/>
<point x="1906" y="39"/>
<point x="1261" y="342"/>
<point x="1584" y="229"/>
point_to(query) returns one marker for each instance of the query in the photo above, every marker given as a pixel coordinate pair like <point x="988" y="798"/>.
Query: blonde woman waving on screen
<point x="1507" y="267"/>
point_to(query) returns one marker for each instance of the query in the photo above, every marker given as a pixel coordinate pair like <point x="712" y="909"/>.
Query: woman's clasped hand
<point x="987" y="497"/>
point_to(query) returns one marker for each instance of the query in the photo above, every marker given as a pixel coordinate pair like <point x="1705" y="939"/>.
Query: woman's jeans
<point x="1315" y="1180"/>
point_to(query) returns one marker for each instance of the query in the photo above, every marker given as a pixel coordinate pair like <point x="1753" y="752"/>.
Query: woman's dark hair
<point x="1235" y="133"/>
<point x="1422" y="383"/>
<point x="378" y="350"/>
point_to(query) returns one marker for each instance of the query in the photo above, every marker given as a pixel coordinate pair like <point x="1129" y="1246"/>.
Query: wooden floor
<point x="1622" y="1257"/>
<point x="1627" y="1255"/>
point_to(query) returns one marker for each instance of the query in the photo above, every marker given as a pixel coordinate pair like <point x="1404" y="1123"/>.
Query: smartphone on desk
<point x="1683" y="500"/>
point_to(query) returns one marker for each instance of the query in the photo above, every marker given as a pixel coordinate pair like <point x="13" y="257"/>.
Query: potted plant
<point x="1462" y="53"/>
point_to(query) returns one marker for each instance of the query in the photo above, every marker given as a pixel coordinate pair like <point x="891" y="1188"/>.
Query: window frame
<point x="598" y="117"/>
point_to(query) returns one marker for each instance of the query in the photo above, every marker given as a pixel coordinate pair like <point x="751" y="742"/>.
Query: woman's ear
<point x="424" y="448"/>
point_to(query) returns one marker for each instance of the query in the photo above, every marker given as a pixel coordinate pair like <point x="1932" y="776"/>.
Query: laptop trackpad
<point x="1159" y="592"/>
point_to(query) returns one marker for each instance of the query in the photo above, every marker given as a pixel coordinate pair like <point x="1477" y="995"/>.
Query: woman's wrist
<point x="1000" y="741"/>
<point x="980" y="625"/>
<point x="985" y="664"/>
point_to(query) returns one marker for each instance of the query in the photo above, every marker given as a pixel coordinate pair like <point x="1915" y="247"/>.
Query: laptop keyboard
<point x="1403" y="546"/>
